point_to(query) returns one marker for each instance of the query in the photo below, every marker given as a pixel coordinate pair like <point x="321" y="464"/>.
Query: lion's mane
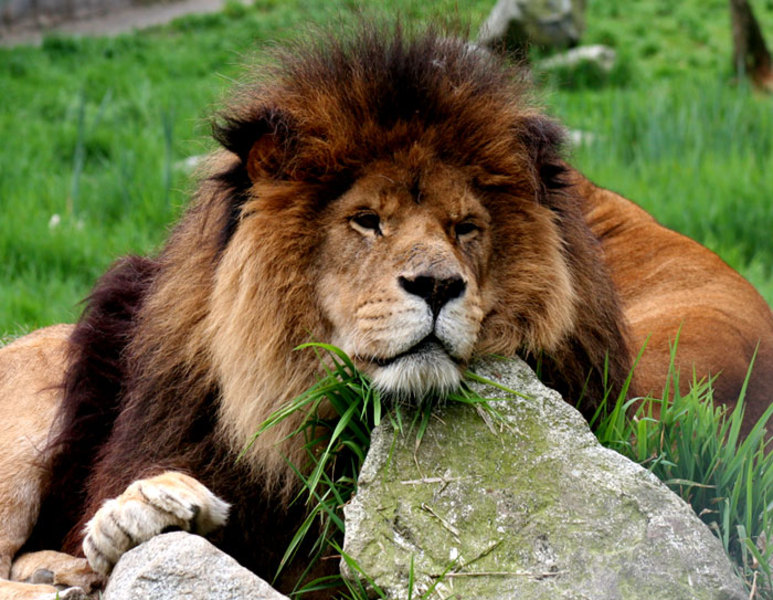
<point x="178" y="359"/>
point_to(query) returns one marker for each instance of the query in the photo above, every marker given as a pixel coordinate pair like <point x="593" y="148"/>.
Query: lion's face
<point x="402" y="276"/>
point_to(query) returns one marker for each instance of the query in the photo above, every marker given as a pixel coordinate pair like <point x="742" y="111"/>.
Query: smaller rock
<point x="190" y="164"/>
<point x="602" y="56"/>
<point x="551" y="23"/>
<point x="577" y="137"/>
<point x="181" y="566"/>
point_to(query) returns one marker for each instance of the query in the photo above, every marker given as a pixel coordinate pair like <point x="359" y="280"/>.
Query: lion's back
<point x="672" y="287"/>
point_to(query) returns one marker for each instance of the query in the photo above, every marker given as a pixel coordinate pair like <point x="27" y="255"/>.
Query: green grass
<point x="698" y="156"/>
<point x="671" y="39"/>
<point x="95" y="130"/>
<point x="336" y="449"/>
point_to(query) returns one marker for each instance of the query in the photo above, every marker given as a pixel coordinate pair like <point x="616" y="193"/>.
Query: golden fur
<point x="394" y="195"/>
<point x="31" y="369"/>
<point x="670" y="287"/>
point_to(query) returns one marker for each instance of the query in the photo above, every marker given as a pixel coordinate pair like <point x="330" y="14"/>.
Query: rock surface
<point x="537" y="510"/>
<point x="553" y="23"/>
<point x="181" y="566"/>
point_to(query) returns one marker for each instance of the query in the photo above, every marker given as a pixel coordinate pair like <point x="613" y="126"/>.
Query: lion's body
<point x="30" y="375"/>
<point x="397" y="198"/>
<point x="672" y="287"/>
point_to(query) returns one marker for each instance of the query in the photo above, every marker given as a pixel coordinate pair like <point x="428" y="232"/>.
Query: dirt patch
<point x="112" y="23"/>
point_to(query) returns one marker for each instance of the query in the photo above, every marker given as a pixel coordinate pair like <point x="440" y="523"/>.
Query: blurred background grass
<point x="96" y="132"/>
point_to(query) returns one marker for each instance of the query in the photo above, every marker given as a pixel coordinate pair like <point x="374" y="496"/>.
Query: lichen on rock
<point x="534" y="509"/>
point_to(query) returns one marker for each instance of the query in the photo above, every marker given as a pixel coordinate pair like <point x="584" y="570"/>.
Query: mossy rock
<point x="529" y="506"/>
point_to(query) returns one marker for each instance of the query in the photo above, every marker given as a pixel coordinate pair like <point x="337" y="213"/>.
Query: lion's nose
<point x="436" y="292"/>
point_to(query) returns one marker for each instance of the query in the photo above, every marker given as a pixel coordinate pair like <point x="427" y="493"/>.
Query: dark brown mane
<point x="93" y="388"/>
<point x="338" y="103"/>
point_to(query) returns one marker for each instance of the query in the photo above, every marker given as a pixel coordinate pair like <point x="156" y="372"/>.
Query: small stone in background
<point x="601" y="56"/>
<point x="547" y="23"/>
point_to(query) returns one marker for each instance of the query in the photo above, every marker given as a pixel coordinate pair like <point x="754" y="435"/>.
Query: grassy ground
<point x="95" y="131"/>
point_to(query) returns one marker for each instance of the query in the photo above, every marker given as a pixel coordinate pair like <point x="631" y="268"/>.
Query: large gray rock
<point x="181" y="566"/>
<point x="553" y="23"/>
<point x="531" y="507"/>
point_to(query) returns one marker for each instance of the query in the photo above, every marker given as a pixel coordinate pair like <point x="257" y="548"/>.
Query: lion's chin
<point x="418" y="376"/>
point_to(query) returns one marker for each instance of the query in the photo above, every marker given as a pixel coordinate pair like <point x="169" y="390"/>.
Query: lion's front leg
<point x="149" y="507"/>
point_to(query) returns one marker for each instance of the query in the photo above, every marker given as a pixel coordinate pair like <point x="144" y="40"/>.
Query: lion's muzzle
<point x="437" y="340"/>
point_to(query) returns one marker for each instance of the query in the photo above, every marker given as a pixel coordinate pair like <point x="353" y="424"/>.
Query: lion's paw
<point x="148" y="507"/>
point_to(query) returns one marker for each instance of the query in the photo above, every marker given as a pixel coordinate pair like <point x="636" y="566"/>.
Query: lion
<point x="395" y="194"/>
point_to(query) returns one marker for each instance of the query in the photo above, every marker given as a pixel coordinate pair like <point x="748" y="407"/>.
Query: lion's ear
<point x="267" y="157"/>
<point x="544" y="140"/>
<point x="262" y="140"/>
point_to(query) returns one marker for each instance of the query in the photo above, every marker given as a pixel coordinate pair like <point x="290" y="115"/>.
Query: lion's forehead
<point x="441" y="191"/>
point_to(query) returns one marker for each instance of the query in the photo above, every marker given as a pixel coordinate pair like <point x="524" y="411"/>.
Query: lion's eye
<point x="366" y="222"/>
<point x="466" y="230"/>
